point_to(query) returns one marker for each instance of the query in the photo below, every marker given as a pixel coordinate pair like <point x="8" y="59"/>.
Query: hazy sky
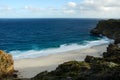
<point x="59" y="8"/>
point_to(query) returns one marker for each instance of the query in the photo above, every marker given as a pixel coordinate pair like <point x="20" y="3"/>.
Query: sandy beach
<point x="30" y="67"/>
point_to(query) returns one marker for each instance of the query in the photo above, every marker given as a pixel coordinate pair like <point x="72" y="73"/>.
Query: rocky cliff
<point x="6" y="65"/>
<point x="109" y="28"/>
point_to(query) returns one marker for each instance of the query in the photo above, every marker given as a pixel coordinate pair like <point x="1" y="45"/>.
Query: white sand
<point x="30" y="67"/>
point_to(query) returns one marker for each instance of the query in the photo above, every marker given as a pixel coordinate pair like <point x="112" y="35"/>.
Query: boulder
<point x="117" y="41"/>
<point x="6" y="64"/>
<point x="113" y="50"/>
<point x="91" y="59"/>
<point x="95" y="32"/>
<point x="73" y="66"/>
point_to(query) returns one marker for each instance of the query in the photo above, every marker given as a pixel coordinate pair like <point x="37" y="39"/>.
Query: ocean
<point x="31" y="38"/>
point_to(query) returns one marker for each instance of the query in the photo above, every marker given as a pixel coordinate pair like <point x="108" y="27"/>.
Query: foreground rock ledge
<point x="6" y="64"/>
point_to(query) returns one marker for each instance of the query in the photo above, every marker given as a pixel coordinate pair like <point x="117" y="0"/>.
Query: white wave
<point x="63" y="48"/>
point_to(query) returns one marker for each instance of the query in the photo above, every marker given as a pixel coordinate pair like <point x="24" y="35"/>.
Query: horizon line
<point x="59" y="18"/>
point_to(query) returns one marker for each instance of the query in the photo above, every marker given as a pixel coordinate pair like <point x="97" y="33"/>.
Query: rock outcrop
<point x="6" y="65"/>
<point x="66" y="71"/>
<point x="109" y="28"/>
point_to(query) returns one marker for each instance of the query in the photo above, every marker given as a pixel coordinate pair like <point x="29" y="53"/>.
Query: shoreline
<point x="28" y="68"/>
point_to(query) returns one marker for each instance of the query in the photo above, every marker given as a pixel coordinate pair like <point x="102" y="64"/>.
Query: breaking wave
<point x="17" y="54"/>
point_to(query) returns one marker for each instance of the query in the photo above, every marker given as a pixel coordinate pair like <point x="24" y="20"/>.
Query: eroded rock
<point x="6" y="64"/>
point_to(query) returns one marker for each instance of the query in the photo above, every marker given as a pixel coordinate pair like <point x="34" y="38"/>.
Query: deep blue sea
<point x="30" y="38"/>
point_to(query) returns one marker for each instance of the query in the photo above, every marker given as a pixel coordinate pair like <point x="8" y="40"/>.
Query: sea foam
<point x="17" y="54"/>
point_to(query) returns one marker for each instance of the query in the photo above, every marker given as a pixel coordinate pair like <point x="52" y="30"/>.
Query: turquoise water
<point x="30" y="38"/>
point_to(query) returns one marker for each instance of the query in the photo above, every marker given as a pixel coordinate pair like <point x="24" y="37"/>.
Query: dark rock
<point x="72" y="66"/>
<point x="15" y="75"/>
<point x="16" y="71"/>
<point x="109" y="28"/>
<point x="112" y="54"/>
<point x="112" y="50"/>
<point x="91" y="59"/>
<point x="95" y="32"/>
<point x="117" y="41"/>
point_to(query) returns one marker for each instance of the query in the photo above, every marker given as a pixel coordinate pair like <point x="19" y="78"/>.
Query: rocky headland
<point x="92" y="68"/>
<point x="109" y="28"/>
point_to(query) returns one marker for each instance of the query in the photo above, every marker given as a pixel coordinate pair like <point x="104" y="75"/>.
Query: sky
<point x="59" y="8"/>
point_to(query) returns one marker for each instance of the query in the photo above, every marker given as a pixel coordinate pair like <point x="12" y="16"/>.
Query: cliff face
<point x="109" y="28"/>
<point x="6" y="64"/>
